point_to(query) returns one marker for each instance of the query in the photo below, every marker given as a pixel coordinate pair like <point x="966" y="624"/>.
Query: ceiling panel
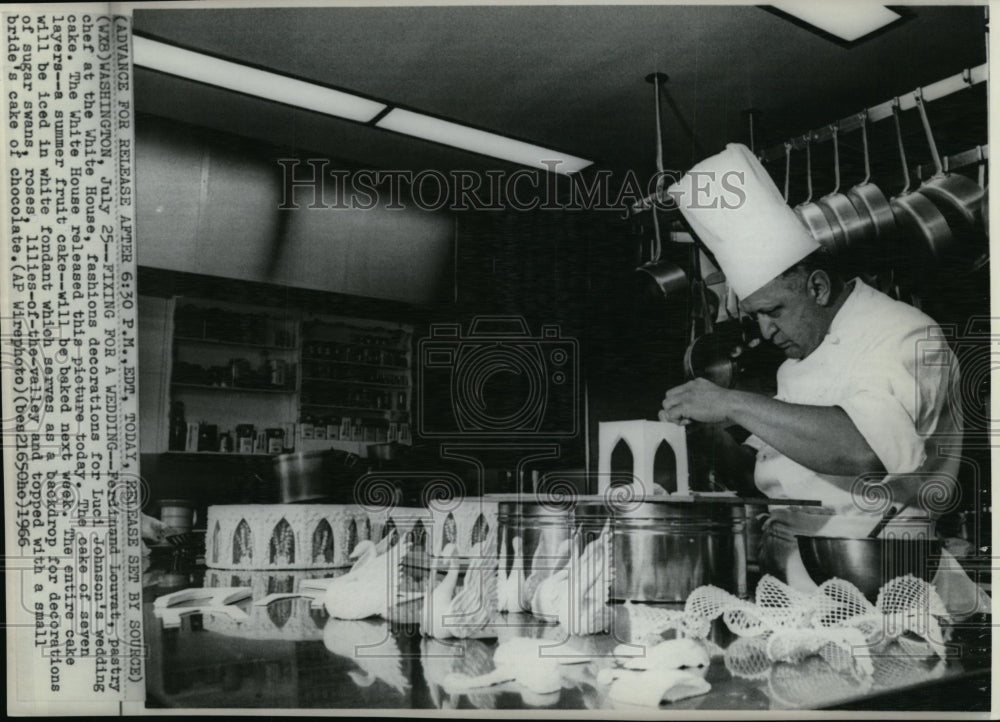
<point x="570" y="77"/>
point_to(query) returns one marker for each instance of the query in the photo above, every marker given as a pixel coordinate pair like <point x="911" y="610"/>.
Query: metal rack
<point x="935" y="91"/>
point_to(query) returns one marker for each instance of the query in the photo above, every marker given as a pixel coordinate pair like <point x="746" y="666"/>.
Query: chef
<point x="867" y="414"/>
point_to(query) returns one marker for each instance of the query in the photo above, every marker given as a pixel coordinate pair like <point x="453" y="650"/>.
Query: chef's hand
<point x="698" y="400"/>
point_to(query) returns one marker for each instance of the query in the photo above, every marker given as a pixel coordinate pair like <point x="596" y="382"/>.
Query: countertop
<point x="291" y="654"/>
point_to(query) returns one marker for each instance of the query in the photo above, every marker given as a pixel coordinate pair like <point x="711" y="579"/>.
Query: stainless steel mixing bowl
<point x="869" y="563"/>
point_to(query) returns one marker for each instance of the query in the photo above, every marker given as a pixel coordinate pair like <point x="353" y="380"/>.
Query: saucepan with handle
<point x="949" y="191"/>
<point x="854" y="227"/>
<point x="668" y="278"/>
<point x="869" y="200"/>
<point x="827" y="232"/>
<point x="960" y="201"/>
<point x="920" y="222"/>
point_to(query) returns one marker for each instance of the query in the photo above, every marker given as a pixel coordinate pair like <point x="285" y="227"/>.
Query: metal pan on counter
<point x="664" y="547"/>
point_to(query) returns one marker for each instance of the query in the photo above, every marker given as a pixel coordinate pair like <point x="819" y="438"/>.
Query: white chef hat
<point x="737" y="211"/>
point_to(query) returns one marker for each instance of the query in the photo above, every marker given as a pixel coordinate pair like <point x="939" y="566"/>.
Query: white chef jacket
<point x="889" y="367"/>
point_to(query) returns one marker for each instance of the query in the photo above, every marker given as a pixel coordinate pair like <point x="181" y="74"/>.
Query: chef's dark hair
<point x="819" y="260"/>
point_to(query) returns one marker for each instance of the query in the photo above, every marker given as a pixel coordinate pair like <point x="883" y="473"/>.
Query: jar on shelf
<point x="277" y="369"/>
<point x="306" y="427"/>
<point x="288" y="437"/>
<point x="244" y="438"/>
<point x="275" y="440"/>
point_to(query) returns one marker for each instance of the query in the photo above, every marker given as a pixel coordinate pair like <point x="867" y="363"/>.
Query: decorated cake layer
<point x="464" y="523"/>
<point x="322" y="536"/>
<point x="283" y="536"/>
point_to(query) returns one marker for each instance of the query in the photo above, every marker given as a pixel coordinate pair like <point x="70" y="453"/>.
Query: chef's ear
<point x="819" y="286"/>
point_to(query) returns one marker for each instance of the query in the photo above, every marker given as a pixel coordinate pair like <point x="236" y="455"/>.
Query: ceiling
<point x="568" y="77"/>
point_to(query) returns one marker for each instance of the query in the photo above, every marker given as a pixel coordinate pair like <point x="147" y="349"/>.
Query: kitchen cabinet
<point x="356" y="383"/>
<point x="233" y="378"/>
<point x="259" y="380"/>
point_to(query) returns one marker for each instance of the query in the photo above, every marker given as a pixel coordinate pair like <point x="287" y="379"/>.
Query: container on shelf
<point x="275" y="440"/>
<point x="208" y="437"/>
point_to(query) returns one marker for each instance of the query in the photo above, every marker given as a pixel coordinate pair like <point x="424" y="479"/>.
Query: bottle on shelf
<point x="244" y="438"/>
<point x="178" y="427"/>
<point x="275" y="440"/>
<point x="191" y="438"/>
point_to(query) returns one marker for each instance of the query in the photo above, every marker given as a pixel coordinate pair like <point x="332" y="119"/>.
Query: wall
<point x="209" y="204"/>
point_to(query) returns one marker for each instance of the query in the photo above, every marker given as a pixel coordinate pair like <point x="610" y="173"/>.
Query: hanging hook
<point x="656" y="79"/>
<point x="809" y="171"/>
<point x="902" y="152"/>
<point x="788" y="166"/>
<point x="919" y="97"/>
<point x="863" y="117"/>
<point x="836" y="159"/>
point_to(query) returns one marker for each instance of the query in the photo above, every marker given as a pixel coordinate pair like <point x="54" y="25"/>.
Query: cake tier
<point x="321" y="536"/>
<point x="283" y="536"/>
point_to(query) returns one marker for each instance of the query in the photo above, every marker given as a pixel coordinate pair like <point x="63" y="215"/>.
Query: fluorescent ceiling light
<point x="251" y="81"/>
<point x="848" y="21"/>
<point x="479" y="141"/>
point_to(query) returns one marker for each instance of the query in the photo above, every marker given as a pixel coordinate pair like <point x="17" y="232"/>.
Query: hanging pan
<point x="824" y="229"/>
<point x="869" y="199"/>
<point x="949" y="191"/>
<point x="960" y="201"/>
<point x="854" y="227"/>
<point x="667" y="278"/>
<point x="920" y="222"/>
<point x="664" y="279"/>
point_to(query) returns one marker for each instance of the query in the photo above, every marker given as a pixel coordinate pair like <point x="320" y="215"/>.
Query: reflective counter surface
<point x="291" y="654"/>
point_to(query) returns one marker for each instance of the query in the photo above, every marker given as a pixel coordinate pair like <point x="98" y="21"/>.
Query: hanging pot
<point x="949" y="191"/>
<point x="734" y="355"/>
<point x="919" y="221"/>
<point x="869" y="199"/>
<point x="662" y="279"/>
<point x="855" y="228"/>
<point x="823" y="227"/>
<point x="667" y="277"/>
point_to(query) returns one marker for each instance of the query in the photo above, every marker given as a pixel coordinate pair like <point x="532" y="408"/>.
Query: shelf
<point x="352" y="408"/>
<point x="220" y="453"/>
<point x="234" y="389"/>
<point x="328" y="360"/>
<point x="389" y="347"/>
<point x="356" y="383"/>
<point x="241" y="344"/>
